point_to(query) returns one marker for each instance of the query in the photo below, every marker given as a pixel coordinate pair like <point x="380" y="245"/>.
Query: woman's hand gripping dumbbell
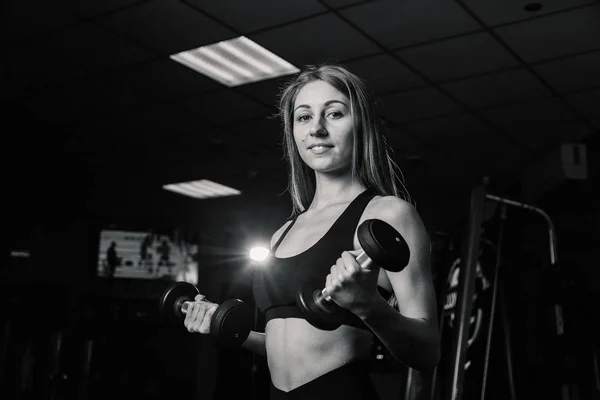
<point x="229" y="323"/>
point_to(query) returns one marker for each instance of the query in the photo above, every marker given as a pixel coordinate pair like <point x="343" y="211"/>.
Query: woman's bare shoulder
<point x="390" y="208"/>
<point x="275" y="237"/>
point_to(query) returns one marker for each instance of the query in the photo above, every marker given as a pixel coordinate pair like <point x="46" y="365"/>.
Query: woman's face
<point x="323" y="128"/>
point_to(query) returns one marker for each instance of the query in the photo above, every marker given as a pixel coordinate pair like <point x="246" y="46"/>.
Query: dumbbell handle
<point x="182" y="305"/>
<point x="363" y="260"/>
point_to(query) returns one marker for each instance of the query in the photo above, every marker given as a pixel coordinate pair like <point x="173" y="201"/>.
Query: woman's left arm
<point x="410" y="335"/>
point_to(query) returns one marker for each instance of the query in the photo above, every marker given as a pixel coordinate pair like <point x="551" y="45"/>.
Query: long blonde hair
<point x="372" y="162"/>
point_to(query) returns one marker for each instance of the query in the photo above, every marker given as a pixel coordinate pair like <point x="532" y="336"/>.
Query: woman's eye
<point x="302" y="118"/>
<point x="335" y="114"/>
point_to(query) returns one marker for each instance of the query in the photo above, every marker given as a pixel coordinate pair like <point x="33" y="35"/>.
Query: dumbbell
<point x="381" y="245"/>
<point x="230" y="325"/>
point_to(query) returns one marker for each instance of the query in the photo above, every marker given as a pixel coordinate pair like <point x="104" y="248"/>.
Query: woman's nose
<point x="318" y="128"/>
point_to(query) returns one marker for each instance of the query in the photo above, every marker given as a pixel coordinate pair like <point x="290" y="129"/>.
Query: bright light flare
<point x="259" y="253"/>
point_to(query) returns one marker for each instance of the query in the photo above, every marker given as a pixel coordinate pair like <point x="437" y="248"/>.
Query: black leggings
<point x="350" y="382"/>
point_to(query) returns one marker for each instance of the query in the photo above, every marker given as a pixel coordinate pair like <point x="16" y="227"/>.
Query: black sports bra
<point x="275" y="286"/>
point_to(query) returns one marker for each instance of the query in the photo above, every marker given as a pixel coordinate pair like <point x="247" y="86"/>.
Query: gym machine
<point x="466" y="287"/>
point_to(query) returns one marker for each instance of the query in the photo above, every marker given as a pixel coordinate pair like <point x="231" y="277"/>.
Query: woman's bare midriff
<point x="297" y="352"/>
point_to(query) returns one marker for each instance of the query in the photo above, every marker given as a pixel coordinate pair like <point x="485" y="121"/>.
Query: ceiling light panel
<point x="202" y="189"/>
<point x="235" y="62"/>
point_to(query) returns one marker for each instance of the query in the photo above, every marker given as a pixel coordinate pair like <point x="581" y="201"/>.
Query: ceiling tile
<point x="266" y="92"/>
<point x="266" y="133"/>
<point x="483" y="155"/>
<point x="345" y="3"/>
<point x="159" y="120"/>
<point x="541" y="113"/>
<point x="152" y="122"/>
<point x="166" y="80"/>
<point x="23" y="73"/>
<point x="92" y="8"/>
<point x="501" y="12"/>
<point x="24" y="19"/>
<point x="249" y="16"/>
<point x="224" y="107"/>
<point x="449" y="129"/>
<point x="555" y="35"/>
<point x="574" y="73"/>
<point x="317" y="40"/>
<point x="541" y="137"/>
<point x="78" y="102"/>
<point x="94" y="48"/>
<point x="459" y="57"/>
<point x="168" y="26"/>
<point x="497" y="88"/>
<point x="587" y="102"/>
<point x="417" y="104"/>
<point x="397" y="24"/>
<point x="383" y="73"/>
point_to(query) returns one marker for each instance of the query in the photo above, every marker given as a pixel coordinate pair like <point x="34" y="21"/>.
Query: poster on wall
<point x="126" y="254"/>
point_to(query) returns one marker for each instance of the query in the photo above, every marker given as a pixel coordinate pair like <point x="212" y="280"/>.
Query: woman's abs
<point x="297" y="352"/>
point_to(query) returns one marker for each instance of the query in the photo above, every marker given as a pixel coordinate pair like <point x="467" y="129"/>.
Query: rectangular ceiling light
<point x="235" y="62"/>
<point x="202" y="189"/>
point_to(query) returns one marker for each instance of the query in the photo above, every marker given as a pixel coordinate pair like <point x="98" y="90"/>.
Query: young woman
<point x="340" y="174"/>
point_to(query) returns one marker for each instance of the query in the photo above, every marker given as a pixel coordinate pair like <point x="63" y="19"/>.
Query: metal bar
<point x="507" y="342"/>
<point x="551" y="229"/>
<point x="466" y="284"/>
<point x="488" y="344"/>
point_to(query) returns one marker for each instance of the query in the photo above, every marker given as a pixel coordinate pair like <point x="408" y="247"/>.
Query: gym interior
<point x="492" y="109"/>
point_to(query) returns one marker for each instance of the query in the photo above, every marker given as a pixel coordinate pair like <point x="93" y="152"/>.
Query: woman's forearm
<point x="256" y="343"/>
<point x="412" y="341"/>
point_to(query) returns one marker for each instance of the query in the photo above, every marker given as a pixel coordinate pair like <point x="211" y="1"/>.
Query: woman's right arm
<point x="199" y="315"/>
<point x="256" y="343"/>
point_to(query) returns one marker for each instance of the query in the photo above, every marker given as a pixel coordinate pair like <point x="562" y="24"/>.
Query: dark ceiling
<point x="468" y="88"/>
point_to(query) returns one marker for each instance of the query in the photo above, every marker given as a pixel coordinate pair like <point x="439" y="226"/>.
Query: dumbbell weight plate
<point x="173" y="298"/>
<point x="383" y="244"/>
<point x="231" y="323"/>
<point x="329" y="317"/>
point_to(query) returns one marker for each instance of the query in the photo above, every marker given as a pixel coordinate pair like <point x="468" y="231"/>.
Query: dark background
<point x="97" y="118"/>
